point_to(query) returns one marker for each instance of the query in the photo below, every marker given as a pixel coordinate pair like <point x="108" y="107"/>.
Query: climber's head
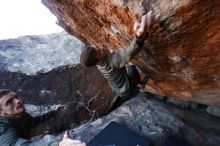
<point x="93" y="55"/>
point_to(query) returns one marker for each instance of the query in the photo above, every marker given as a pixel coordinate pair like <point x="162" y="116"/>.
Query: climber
<point x="112" y="65"/>
<point x="16" y="124"/>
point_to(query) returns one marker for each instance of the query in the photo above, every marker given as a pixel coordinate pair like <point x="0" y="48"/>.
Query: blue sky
<point x="25" y="17"/>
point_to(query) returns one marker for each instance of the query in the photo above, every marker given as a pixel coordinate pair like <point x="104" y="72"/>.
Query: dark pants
<point x="134" y="78"/>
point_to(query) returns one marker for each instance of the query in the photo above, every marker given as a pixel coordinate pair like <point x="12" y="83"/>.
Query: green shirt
<point x="113" y="68"/>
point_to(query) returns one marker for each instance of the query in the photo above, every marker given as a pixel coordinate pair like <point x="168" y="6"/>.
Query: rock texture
<point x="33" y="67"/>
<point x="182" y="54"/>
<point x="63" y="84"/>
<point x="40" y="53"/>
<point x="156" y="120"/>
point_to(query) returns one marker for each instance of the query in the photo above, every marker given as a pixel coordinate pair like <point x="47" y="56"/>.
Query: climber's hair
<point x="4" y="92"/>
<point x="88" y="56"/>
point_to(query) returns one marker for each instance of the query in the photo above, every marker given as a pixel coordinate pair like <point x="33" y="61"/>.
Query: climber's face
<point x="11" y="106"/>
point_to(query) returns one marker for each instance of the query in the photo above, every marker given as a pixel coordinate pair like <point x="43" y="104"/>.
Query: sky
<point x="25" y="17"/>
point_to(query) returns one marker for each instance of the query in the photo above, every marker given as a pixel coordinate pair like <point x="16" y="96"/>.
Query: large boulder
<point x="39" y="54"/>
<point x="156" y="120"/>
<point x="63" y="84"/>
<point x="45" y="70"/>
<point x="182" y="53"/>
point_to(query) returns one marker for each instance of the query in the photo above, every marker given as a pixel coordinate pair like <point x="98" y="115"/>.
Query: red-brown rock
<point x="182" y="53"/>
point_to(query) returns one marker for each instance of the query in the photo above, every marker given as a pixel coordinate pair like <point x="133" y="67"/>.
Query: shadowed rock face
<point x="85" y="88"/>
<point x="182" y="54"/>
<point x="45" y="70"/>
<point x="63" y="84"/>
<point x="156" y="120"/>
